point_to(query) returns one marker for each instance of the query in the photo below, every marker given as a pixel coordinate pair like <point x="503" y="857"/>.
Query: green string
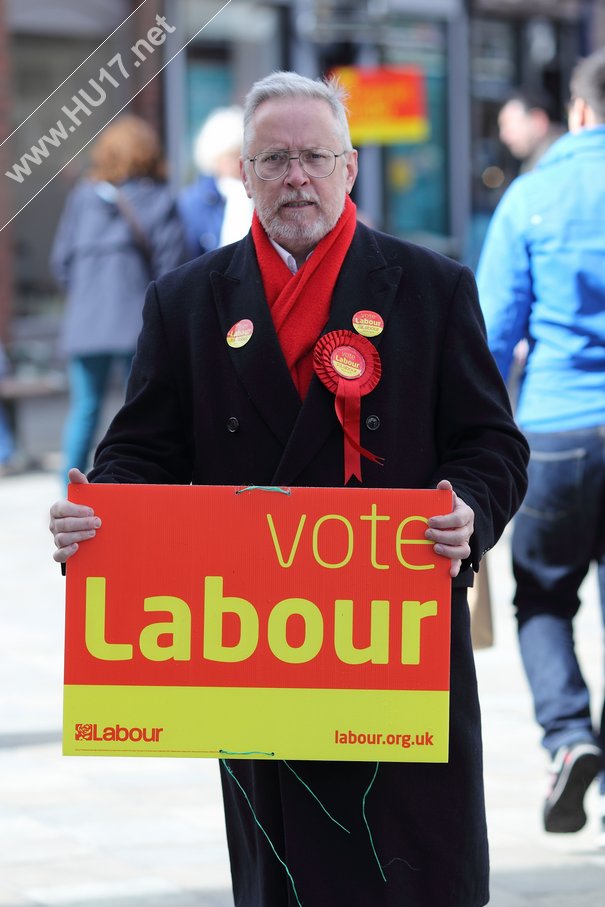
<point x="363" y="810"/>
<point x="315" y="797"/>
<point x="264" y="488"/>
<point x="250" y="753"/>
<point x="254" y="816"/>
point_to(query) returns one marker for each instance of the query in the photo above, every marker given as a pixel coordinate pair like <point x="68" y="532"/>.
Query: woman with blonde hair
<point x="119" y="230"/>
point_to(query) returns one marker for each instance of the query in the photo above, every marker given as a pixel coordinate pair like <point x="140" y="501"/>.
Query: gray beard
<point x="285" y="234"/>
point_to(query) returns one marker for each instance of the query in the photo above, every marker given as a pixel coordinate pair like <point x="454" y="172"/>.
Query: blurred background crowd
<point x="470" y="91"/>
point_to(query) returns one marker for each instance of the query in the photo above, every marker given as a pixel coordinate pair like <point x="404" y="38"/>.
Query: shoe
<point x="574" y="768"/>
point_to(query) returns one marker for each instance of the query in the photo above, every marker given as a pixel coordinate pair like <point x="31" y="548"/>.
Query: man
<point x="542" y="275"/>
<point x="201" y="411"/>
<point x="528" y="127"/>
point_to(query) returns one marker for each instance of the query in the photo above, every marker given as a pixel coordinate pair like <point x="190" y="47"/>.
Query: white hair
<point x="222" y="132"/>
<point x="292" y="85"/>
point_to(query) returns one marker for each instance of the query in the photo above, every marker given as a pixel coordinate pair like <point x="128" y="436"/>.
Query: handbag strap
<point x="110" y="193"/>
<point x="128" y="213"/>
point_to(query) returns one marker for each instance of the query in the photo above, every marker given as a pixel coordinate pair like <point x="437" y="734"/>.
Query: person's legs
<point x="553" y="544"/>
<point x="600" y="555"/>
<point x="87" y="381"/>
<point x="7" y="444"/>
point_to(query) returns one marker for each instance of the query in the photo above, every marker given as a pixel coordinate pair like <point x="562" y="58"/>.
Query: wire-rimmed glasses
<point x="316" y="162"/>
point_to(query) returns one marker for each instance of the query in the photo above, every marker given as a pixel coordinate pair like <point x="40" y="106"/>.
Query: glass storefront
<point x="510" y="54"/>
<point x="438" y="189"/>
<point x="416" y="173"/>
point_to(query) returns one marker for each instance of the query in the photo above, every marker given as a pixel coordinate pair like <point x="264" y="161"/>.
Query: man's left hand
<point x="452" y="531"/>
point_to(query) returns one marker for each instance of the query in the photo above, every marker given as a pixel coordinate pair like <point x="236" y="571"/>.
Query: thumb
<point x="446" y="485"/>
<point x="76" y="477"/>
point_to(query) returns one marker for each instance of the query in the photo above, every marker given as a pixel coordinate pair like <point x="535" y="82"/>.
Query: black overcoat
<point x="201" y="411"/>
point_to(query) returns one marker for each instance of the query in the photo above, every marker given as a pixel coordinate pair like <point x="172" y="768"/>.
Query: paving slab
<point x="111" y="832"/>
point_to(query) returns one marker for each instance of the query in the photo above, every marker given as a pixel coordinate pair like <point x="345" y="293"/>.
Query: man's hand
<point x="452" y="531"/>
<point x="71" y="523"/>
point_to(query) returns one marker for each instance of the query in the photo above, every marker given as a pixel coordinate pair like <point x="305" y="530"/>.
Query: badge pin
<point x="240" y="333"/>
<point x="368" y="323"/>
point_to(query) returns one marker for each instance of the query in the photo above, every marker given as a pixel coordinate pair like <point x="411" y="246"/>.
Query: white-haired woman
<point x="215" y="210"/>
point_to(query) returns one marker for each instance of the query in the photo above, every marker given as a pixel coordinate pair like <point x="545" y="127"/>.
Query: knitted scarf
<point x="300" y="303"/>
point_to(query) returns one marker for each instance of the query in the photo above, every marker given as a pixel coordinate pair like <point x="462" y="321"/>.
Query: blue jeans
<point x="558" y="532"/>
<point x="88" y="376"/>
<point x="7" y="443"/>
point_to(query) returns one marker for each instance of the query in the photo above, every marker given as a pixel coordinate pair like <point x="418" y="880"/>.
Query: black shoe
<point x="574" y="768"/>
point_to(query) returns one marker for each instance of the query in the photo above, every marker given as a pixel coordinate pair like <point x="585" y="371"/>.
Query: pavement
<point x="112" y="832"/>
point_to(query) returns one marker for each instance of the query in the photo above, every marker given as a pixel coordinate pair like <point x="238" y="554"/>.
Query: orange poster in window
<point x="387" y="104"/>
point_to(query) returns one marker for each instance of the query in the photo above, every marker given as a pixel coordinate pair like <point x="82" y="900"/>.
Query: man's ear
<point x="581" y="115"/>
<point x="243" y="172"/>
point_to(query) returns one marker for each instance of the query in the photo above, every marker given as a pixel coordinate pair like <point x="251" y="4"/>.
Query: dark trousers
<point x="558" y="532"/>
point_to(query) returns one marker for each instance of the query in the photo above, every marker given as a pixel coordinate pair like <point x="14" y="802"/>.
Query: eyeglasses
<point x="316" y="162"/>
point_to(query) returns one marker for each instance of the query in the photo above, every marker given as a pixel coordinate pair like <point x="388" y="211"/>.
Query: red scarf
<point x="300" y="303"/>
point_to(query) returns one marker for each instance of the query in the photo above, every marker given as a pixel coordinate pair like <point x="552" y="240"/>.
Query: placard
<point x="301" y="623"/>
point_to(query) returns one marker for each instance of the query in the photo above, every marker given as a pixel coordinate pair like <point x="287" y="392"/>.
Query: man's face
<point x="298" y="210"/>
<point x="521" y="130"/>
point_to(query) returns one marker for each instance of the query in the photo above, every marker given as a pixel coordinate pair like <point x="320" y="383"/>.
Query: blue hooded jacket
<point x="541" y="276"/>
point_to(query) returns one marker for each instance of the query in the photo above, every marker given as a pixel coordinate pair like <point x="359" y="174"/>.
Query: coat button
<point x="372" y="423"/>
<point x="232" y="424"/>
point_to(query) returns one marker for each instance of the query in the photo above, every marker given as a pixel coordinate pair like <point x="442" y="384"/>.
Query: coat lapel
<point x="260" y="364"/>
<point x="365" y="282"/>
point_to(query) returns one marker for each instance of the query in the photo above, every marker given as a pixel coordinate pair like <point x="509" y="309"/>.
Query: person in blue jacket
<point x="215" y="209"/>
<point x="119" y="230"/>
<point x="541" y="275"/>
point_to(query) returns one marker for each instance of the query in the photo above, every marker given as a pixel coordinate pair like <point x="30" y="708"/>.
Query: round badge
<point x="349" y="367"/>
<point x="348" y="362"/>
<point x="240" y="333"/>
<point x="368" y="323"/>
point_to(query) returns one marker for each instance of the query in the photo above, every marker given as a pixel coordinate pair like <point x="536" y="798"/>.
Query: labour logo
<point x="118" y="732"/>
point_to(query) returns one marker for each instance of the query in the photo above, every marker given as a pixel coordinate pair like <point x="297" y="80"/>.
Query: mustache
<point x="296" y="197"/>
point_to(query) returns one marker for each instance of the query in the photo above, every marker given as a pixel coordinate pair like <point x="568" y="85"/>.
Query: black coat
<point x="200" y="411"/>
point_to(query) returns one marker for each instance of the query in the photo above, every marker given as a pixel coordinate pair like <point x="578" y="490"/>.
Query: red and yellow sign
<point x="387" y="104"/>
<point x="306" y="623"/>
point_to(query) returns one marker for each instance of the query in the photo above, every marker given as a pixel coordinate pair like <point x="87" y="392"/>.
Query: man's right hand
<point x="71" y="523"/>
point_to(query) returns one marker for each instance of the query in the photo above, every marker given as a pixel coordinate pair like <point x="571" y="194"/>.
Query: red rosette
<point x="349" y="366"/>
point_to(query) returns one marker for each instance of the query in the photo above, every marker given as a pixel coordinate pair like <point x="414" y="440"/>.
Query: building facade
<point x="427" y="185"/>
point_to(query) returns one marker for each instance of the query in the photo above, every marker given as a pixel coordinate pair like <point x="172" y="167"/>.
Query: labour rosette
<point x="349" y="366"/>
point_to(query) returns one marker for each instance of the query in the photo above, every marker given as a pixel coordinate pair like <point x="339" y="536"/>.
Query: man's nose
<point x="295" y="175"/>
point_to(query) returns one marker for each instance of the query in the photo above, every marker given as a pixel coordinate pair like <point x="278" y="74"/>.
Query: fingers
<point x="455" y="568"/>
<point x="76" y="477"/>
<point x="451" y="532"/>
<point x="71" y="523"/>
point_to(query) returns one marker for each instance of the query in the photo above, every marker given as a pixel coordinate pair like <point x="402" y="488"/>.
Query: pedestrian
<point x="199" y="412"/>
<point x="528" y="126"/>
<point x="7" y="441"/>
<point x="215" y="209"/>
<point x="119" y="230"/>
<point x="542" y="275"/>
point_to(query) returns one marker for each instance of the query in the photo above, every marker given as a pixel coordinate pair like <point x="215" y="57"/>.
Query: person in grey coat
<point x="119" y="230"/>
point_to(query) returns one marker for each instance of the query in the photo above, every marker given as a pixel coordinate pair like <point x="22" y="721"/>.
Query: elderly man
<point x="202" y="409"/>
